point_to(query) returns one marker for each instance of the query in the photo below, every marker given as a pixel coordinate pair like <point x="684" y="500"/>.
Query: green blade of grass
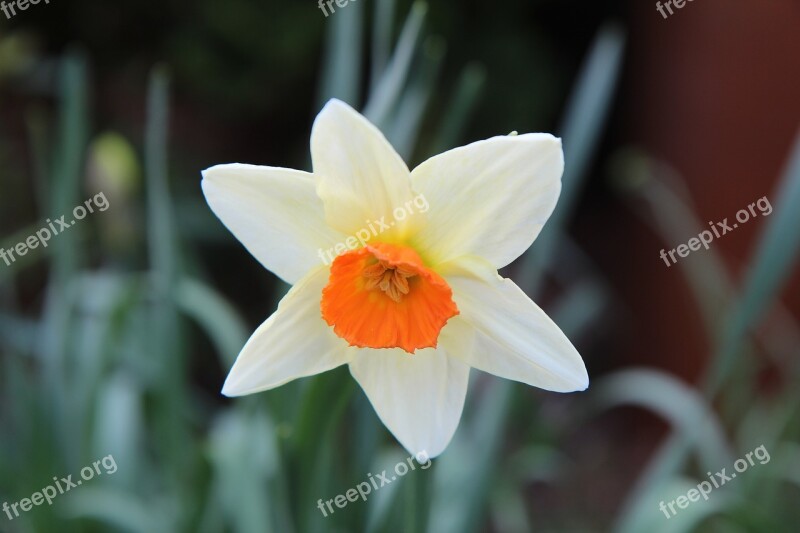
<point x="383" y="22"/>
<point x="460" y="495"/>
<point x="160" y="227"/>
<point x="341" y="66"/>
<point x="163" y="339"/>
<point x="69" y="161"/>
<point x="659" y="187"/>
<point x="403" y="128"/>
<point x="685" y="409"/>
<point x="770" y="267"/>
<point x="582" y="126"/>
<point x="651" y="519"/>
<point x="384" y="98"/>
<point x="244" y="457"/>
<point x="65" y="185"/>
<point x="468" y="89"/>
<point x="215" y="315"/>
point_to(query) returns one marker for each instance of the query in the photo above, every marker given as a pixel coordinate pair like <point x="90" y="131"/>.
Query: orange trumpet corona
<point x="383" y="296"/>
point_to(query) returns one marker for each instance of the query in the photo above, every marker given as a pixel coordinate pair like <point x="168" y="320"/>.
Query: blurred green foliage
<point x="122" y="346"/>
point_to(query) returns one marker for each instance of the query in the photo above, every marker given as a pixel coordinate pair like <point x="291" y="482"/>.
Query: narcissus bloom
<point x="411" y="298"/>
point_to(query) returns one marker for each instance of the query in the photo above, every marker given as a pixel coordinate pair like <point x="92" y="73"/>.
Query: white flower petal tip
<point x="261" y="206"/>
<point x="231" y="390"/>
<point x="419" y="398"/>
<point x="579" y="381"/>
<point x="341" y="105"/>
<point x="489" y="199"/>
<point x="515" y="339"/>
<point x="360" y="177"/>
<point x="294" y="342"/>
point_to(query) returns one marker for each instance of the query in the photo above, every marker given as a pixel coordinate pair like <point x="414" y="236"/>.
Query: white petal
<point x="419" y="397"/>
<point x="490" y="198"/>
<point x="515" y="339"/>
<point x="294" y="342"/>
<point x="275" y="213"/>
<point x="360" y="177"/>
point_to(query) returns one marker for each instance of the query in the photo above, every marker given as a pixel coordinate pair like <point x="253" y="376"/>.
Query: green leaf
<point x="685" y="408"/>
<point x="403" y="127"/>
<point x="383" y="23"/>
<point x="385" y="96"/>
<point x="68" y="167"/>
<point x="769" y="269"/>
<point x="120" y="509"/>
<point x="460" y="495"/>
<point x="649" y="517"/>
<point x="341" y="65"/>
<point x="160" y="224"/>
<point x="671" y="215"/>
<point x="694" y="422"/>
<point x="460" y="107"/>
<point x="582" y="126"/>
<point x="215" y="315"/>
<point x="244" y="457"/>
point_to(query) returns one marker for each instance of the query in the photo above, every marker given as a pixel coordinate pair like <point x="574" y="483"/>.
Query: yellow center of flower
<point x="383" y="296"/>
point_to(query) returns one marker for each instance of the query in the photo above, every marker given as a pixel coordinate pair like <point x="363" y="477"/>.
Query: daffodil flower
<point x="419" y="304"/>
